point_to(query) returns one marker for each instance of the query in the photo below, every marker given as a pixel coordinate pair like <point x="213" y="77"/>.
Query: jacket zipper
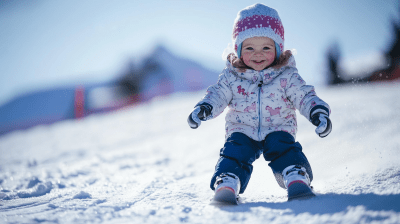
<point x="259" y="107"/>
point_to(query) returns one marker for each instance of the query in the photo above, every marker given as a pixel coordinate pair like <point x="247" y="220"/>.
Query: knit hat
<point x="258" y="21"/>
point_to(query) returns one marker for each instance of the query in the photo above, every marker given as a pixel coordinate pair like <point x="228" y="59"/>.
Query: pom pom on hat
<point x="258" y="21"/>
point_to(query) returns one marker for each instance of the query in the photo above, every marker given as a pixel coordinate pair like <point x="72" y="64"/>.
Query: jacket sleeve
<point x="218" y="95"/>
<point x="303" y="96"/>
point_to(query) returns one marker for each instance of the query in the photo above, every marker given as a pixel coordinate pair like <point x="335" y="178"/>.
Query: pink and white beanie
<point x="258" y="21"/>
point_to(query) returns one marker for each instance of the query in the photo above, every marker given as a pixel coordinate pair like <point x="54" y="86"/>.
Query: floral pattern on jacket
<point x="261" y="102"/>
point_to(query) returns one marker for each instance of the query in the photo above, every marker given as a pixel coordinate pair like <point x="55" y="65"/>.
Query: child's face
<point x="258" y="52"/>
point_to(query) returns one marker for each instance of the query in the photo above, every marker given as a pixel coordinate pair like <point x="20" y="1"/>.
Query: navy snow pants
<point x="240" y="151"/>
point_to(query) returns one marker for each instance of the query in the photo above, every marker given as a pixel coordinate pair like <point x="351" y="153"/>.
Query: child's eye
<point x="266" y="48"/>
<point x="249" y="48"/>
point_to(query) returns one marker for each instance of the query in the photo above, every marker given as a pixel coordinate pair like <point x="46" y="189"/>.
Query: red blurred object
<point x="79" y="102"/>
<point x="386" y="75"/>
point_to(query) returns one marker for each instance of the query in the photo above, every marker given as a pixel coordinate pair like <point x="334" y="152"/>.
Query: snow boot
<point x="227" y="187"/>
<point x="297" y="183"/>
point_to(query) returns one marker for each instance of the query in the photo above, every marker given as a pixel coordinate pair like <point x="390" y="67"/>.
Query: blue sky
<point x="50" y="43"/>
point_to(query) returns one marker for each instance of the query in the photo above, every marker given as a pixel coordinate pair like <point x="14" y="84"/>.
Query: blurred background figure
<point x="69" y="59"/>
<point x="383" y="67"/>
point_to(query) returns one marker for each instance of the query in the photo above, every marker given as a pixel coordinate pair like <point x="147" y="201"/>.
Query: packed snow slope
<point x="145" y="165"/>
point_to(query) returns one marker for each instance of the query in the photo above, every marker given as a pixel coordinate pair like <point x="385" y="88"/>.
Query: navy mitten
<point x="200" y="113"/>
<point x="320" y="118"/>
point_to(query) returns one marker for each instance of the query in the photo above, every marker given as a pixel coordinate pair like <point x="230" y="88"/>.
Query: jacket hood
<point x="237" y="67"/>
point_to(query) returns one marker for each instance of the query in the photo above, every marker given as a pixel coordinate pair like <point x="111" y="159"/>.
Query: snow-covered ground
<point x="145" y="165"/>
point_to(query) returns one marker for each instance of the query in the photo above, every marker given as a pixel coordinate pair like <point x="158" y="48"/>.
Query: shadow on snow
<point x="327" y="204"/>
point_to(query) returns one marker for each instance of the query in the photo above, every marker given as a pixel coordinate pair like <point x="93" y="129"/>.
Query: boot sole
<point x="299" y="191"/>
<point x="226" y="195"/>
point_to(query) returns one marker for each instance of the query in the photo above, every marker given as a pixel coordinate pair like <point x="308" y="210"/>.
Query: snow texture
<point x="145" y="165"/>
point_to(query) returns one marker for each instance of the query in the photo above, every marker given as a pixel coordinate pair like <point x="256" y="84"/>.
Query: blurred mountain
<point x="160" y="73"/>
<point x="42" y="107"/>
<point x="163" y="73"/>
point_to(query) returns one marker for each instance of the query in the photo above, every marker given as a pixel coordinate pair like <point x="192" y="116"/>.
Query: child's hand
<point x="200" y="113"/>
<point x="323" y="123"/>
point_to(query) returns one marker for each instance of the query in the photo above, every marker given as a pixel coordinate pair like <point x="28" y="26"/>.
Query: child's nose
<point x="258" y="51"/>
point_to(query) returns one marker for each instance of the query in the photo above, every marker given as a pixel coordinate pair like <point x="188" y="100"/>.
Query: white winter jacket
<point x="261" y="102"/>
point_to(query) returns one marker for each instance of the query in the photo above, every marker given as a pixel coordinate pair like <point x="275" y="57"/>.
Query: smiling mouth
<point x="259" y="62"/>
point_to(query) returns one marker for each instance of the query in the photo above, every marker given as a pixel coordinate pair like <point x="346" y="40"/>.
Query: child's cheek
<point x="270" y="55"/>
<point x="246" y="58"/>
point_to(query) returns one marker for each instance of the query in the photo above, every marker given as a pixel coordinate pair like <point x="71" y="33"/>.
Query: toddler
<point x="262" y="88"/>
